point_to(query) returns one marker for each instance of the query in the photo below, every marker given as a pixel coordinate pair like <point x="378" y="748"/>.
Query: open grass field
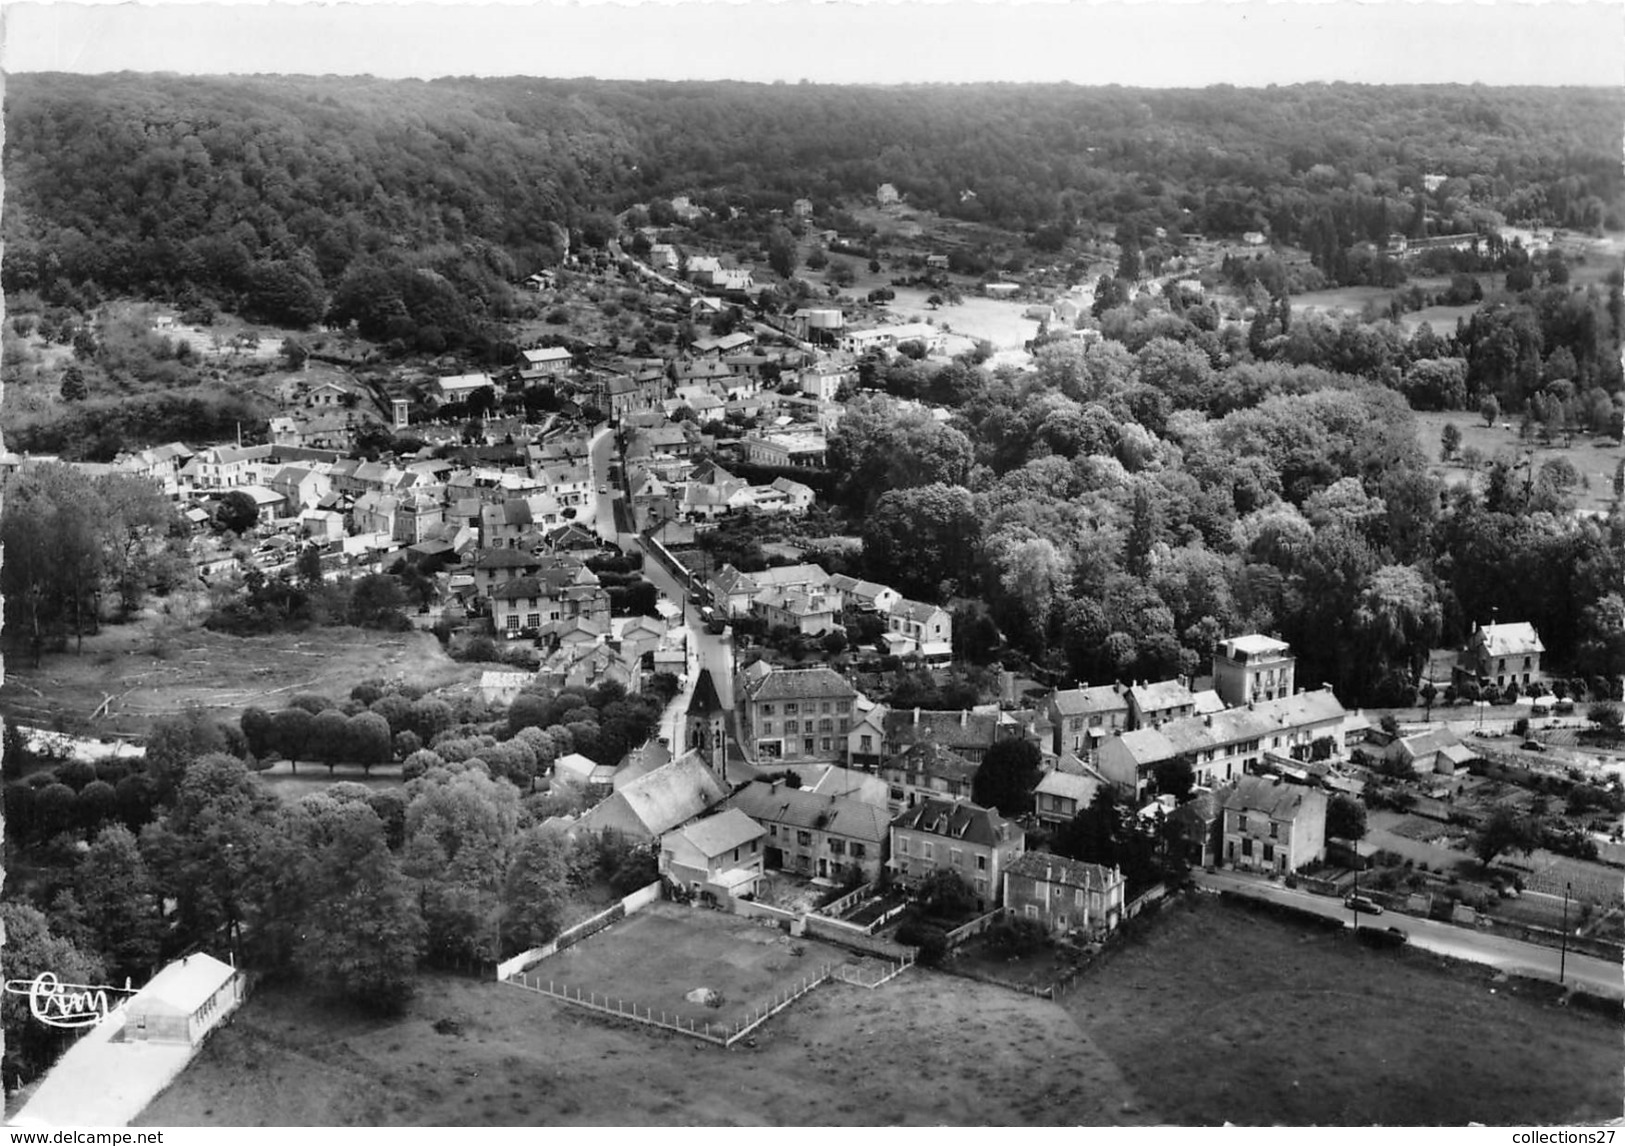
<point x="1226" y="1016"/>
<point x="922" y="1050"/>
<point x="656" y="957"/>
<point x="159" y="665"/>
<point x="1594" y="457"/>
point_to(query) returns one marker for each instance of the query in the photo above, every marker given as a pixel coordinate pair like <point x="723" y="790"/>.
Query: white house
<point x="719" y="856"/>
<point x="458" y="387"/>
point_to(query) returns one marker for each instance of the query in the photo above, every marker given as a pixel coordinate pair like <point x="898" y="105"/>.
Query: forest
<point x="275" y="197"/>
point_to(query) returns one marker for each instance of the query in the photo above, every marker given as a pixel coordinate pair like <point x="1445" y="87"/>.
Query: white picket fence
<point x="718" y="1034"/>
<point x="638" y="900"/>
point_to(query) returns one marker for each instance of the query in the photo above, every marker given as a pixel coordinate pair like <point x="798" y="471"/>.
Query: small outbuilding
<point x="184" y="1001"/>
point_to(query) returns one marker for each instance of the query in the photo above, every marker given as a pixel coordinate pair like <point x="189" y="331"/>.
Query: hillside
<point x="266" y="192"/>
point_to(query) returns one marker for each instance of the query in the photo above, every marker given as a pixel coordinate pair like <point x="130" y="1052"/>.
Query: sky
<point x="1158" y="43"/>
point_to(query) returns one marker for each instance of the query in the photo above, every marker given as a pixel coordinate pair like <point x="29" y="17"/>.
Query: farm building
<point x="184" y="1001"/>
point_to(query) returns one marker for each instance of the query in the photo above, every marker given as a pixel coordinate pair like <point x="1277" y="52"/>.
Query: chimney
<point x="1207" y="719"/>
<point x="916" y="715"/>
<point x="964" y="715"/>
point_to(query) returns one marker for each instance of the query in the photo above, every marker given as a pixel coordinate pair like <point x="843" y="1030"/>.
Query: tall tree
<point x="1007" y="776"/>
<point x="363" y="933"/>
<point x="535" y="890"/>
<point x="118" y="904"/>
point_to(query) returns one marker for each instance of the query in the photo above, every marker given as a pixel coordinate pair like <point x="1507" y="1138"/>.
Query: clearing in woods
<point x="129" y="675"/>
<point x="1594" y="457"/>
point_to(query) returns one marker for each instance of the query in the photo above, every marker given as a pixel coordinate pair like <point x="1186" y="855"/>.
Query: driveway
<point x="1511" y="955"/>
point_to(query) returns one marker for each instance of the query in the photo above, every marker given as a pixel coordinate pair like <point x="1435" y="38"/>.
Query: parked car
<point x="1533" y="746"/>
<point x="1365" y="903"/>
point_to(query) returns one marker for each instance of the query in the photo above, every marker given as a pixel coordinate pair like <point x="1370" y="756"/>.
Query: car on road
<point x="1533" y="746"/>
<point x="1358" y="903"/>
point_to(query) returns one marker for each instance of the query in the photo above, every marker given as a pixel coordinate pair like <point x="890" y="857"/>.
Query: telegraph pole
<point x="1563" y="959"/>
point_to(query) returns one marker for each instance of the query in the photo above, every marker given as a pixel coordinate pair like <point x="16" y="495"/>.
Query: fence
<point x="767" y="1011"/>
<point x="857" y="938"/>
<point x="717" y="1034"/>
<point x="569" y="937"/>
<point x="847" y="975"/>
<point x="975" y="927"/>
<point x="606" y="1005"/>
<point x="1144" y="900"/>
<point x="751" y="909"/>
<point x="837" y="907"/>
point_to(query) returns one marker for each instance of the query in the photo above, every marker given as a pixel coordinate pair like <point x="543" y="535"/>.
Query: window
<point x="1241" y="821"/>
<point x="896" y="793"/>
<point x="825" y="725"/>
<point x="824" y="707"/>
<point x="1269" y="853"/>
<point x="767" y="728"/>
<point x="866" y="742"/>
<point x="790" y="708"/>
<point x="1032" y="911"/>
<point x="837" y="847"/>
<point x="1246" y="845"/>
<point x="981" y="863"/>
<point x="792" y="726"/>
<point x="902" y="845"/>
<point x="957" y="857"/>
<point x="1078" y="897"/>
<point x="1275" y="830"/>
<point x="981" y="887"/>
<point x="510" y="623"/>
<point x="767" y="709"/>
<point x="807" y="746"/>
<point x="773" y="831"/>
<point x="533" y="620"/>
<point x="857" y="851"/>
<point x="843" y="725"/>
<point x="803" y="838"/>
<point x="844" y="708"/>
<point x="823" y="745"/>
<point x="926" y="851"/>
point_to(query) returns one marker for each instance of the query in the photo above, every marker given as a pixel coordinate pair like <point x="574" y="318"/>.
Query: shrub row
<point x="590" y="928"/>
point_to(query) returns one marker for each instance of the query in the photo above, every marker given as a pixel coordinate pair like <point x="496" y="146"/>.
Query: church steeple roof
<point x="705" y="700"/>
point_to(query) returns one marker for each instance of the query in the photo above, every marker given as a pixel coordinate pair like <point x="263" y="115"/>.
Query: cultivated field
<point x="658" y="956"/>
<point x="1594" y="457"/>
<point x="923" y="1050"/>
<point x="159" y="665"/>
<point x="1227" y="1016"/>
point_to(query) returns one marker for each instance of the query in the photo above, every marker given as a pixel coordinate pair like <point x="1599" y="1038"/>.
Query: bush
<point x="932" y="941"/>
<point x="1017" y="937"/>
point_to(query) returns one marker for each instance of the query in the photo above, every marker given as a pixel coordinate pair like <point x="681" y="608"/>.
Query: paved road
<point x="1510" y="955"/>
<point x="599" y="456"/>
